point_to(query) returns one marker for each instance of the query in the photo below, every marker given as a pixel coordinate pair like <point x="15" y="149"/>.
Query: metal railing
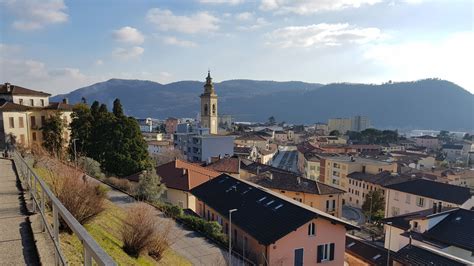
<point x="32" y="182"/>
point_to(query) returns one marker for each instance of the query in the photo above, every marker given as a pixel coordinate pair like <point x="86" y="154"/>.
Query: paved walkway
<point x="189" y="244"/>
<point x="17" y="244"/>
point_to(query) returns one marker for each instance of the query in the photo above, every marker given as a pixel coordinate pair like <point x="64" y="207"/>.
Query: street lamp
<point x="75" y="153"/>
<point x="230" y="235"/>
<point x="389" y="236"/>
<point x="370" y="211"/>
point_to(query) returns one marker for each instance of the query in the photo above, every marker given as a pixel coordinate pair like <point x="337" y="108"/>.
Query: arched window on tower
<point x="213" y="109"/>
<point x="205" y="109"/>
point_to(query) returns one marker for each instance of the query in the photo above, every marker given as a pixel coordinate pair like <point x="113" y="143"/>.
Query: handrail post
<point x="56" y="231"/>
<point x="34" y="193"/>
<point x="43" y="210"/>
<point x="87" y="256"/>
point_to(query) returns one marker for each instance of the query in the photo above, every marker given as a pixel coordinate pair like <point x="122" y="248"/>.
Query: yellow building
<point x="23" y="113"/>
<point x="335" y="169"/>
<point x="310" y="192"/>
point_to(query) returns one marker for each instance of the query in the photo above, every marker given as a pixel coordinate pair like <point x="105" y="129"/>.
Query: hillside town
<point x="341" y="192"/>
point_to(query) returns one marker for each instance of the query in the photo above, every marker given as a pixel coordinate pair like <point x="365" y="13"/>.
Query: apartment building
<point x="334" y="170"/>
<point x="428" y="142"/>
<point x="361" y="184"/>
<point x="310" y="192"/>
<point x="270" y="229"/>
<point x="23" y="112"/>
<point x="180" y="177"/>
<point x="250" y="140"/>
<point x="420" y="194"/>
<point x="444" y="232"/>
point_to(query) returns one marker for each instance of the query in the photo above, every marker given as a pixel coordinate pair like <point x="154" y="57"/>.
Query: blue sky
<point x="58" y="46"/>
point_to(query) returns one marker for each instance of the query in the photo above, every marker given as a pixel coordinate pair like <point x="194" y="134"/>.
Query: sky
<point x="59" y="45"/>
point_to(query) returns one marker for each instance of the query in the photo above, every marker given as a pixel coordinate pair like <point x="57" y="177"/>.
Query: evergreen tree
<point x="52" y="130"/>
<point x="150" y="187"/>
<point x="377" y="210"/>
<point x="117" y="109"/>
<point x="81" y="128"/>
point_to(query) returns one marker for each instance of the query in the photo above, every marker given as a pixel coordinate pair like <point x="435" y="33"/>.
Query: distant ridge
<point x="428" y="103"/>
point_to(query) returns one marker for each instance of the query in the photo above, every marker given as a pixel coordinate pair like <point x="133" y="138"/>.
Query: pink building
<point x="171" y="124"/>
<point x="269" y="228"/>
<point x="427" y="142"/>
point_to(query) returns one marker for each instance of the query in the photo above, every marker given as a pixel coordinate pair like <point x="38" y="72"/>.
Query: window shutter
<point x="327" y="204"/>
<point x="331" y="251"/>
<point x="320" y="253"/>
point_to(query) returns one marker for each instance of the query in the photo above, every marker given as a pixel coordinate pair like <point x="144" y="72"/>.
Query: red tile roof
<point x="225" y="165"/>
<point x="17" y="90"/>
<point x="184" y="176"/>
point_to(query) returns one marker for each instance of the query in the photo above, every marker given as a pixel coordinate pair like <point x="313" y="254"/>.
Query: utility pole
<point x="230" y="235"/>
<point x="75" y="152"/>
<point x="370" y="211"/>
<point x="389" y="236"/>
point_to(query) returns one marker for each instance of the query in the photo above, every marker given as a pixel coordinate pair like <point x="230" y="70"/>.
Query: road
<point x="287" y="158"/>
<point x="189" y="244"/>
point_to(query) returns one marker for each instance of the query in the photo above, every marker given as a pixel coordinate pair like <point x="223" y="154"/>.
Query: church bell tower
<point x="209" y="106"/>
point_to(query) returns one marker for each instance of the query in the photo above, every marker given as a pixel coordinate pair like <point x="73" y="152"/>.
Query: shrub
<point x="161" y="241"/>
<point x="91" y="167"/>
<point x="171" y="210"/>
<point x="122" y="184"/>
<point x="212" y="229"/>
<point x="139" y="229"/>
<point x="83" y="199"/>
<point x="149" y="186"/>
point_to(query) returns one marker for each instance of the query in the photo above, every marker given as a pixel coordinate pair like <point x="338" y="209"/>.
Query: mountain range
<point x="427" y="104"/>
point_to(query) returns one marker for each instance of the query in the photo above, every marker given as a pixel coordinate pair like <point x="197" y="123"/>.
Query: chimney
<point x="258" y="170"/>
<point x="434" y="207"/>
<point x="66" y="101"/>
<point x="440" y="204"/>
<point x="298" y="179"/>
<point x="9" y="89"/>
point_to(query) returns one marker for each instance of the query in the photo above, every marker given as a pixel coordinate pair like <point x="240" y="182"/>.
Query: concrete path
<point x="189" y="244"/>
<point x="17" y="243"/>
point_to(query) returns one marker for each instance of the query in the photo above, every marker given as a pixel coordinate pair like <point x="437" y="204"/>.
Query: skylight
<point x="262" y="199"/>
<point x="351" y="244"/>
<point x="270" y="202"/>
<point x="278" y="207"/>
<point x="376" y="256"/>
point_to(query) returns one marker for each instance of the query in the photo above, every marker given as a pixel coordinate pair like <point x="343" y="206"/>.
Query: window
<point x="21" y="123"/>
<point x="396" y="195"/>
<point x="213" y="109"/>
<point x="34" y="136"/>
<point x="22" y="139"/>
<point x="325" y="252"/>
<point x="32" y="102"/>
<point x="311" y="229"/>
<point x="11" y="122"/>
<point x="21" y="101"/>
<point x="33" y="121"/>
<point x="43" y="120"/>
<point x="420" y="202"/>
<point x="408" y="199"/>
<point x="42" y="102"/>
<point x="395" y="211"/>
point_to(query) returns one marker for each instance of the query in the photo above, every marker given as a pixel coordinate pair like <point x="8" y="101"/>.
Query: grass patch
<point x="105" y="229"/>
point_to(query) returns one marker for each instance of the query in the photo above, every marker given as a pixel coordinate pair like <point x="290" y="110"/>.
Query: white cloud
<point x="171" y="40"/>
<point x="304" y="7"/>
<point x="165" y="20"/>
<point x="258" y="23"/>
<point x="230" y="2"/>
<point x="129" y="35"/>
<point x="244" y="16"/>
<point x="99" y="62"/>
<point x="449" y="58"/>
<point x="38" y="76"/>
<point x="36" y="14"/>
<point x="128" y="53"/>
<point x="321" y="35"/>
